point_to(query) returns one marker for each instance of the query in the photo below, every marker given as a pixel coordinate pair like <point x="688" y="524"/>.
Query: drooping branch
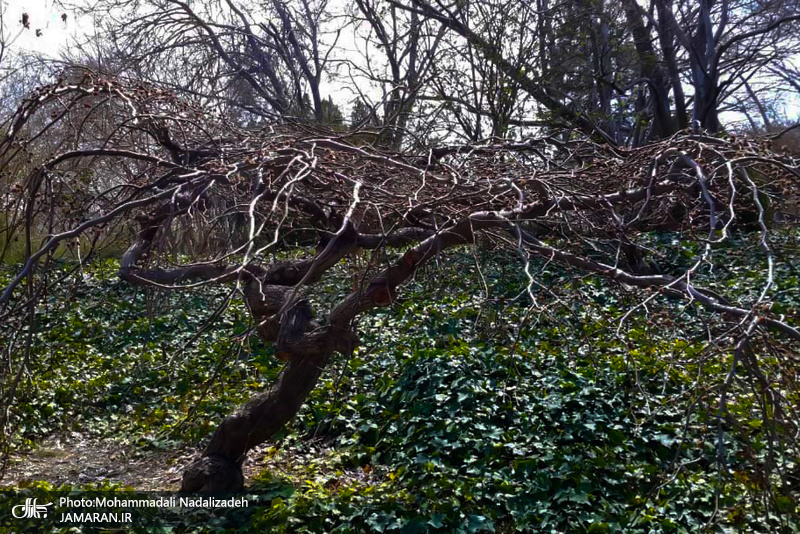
<point x="248" y="193"/>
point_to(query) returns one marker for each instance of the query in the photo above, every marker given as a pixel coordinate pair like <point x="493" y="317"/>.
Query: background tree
<point x="483" y="100"/>
<point x="738" y="39"/>
<point x="268" y="60"/>
<point x="362" y="115"/>
<point x="397" y="52"/>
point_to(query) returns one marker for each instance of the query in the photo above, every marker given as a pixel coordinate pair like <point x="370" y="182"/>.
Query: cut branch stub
<point x="383" y="295"/>
<point x="412" y="258"/>
<point x="264" y="299"/>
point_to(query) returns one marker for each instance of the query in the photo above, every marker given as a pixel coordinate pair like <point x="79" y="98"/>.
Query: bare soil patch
<point x="77" y="460"/>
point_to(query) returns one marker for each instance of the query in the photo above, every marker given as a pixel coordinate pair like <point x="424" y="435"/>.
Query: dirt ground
<point x="76" y="460"/>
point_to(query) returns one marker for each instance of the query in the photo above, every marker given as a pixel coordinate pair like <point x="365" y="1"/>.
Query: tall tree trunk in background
<point x="759" y="106"/>
<point x="405" y="63"/>
<point x="705" y="76"/>
<point x="544" y="26"/>
<point x="666" y="36"/>
<point x="402" y="101"/>
<point x="650" y="69"/>
<point x="601" y="63"/>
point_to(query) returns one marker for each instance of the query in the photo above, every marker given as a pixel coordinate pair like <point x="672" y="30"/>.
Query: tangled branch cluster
<point x="199" y="201"/>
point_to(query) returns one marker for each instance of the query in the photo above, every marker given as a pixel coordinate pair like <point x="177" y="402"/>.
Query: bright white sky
<point x="44" y="15"/>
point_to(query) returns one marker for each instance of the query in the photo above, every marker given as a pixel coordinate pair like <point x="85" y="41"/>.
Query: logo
<point x="30" y="509"/>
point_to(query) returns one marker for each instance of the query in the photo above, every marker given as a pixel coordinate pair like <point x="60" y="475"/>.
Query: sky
<point x="44" y="15"/>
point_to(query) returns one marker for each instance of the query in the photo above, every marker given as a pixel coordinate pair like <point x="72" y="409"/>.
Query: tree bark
<point x="666" y="35"/>
<point x="220" y="466"/>
<point x="652" y="71"/>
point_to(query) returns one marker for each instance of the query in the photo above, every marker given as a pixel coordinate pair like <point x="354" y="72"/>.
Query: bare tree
<point x="718" y="43"/>
<point x="397" y="53"/>
<point x="267" y="61"/>
<point x="475" y="93"/>
<point x="193" y="171"/>
<point x="724" y="43"/>
<point x="557" y="130"/>
<point x="618" y="71"/>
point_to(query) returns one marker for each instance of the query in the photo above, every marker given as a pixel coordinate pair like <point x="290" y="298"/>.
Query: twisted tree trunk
<point x="220" y="466"/>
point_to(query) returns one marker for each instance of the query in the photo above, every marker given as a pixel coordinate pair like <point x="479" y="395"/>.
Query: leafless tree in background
<point x="266" y="61"/>
<point x="399" y="50"/>
<point x="718" y="44"/>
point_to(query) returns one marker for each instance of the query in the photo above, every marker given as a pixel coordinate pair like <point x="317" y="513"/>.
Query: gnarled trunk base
<point x="213" y="473"/>
<point x="220" y="466"/>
